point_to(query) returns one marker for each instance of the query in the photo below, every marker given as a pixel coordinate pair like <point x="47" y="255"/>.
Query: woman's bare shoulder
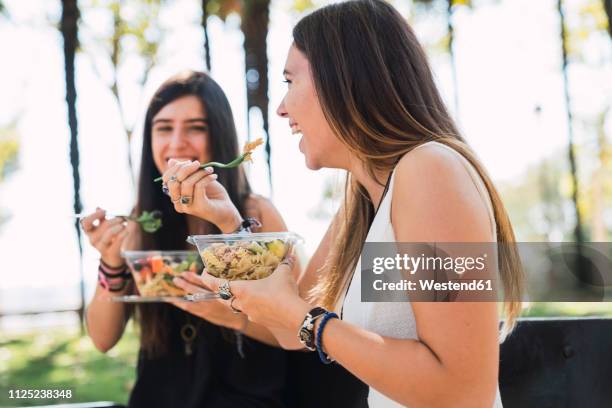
<point x="433" y="182"/>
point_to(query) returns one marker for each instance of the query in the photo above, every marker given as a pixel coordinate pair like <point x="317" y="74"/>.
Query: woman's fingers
<point x="176" y="176"/>
<point x="115" y="226"/>
<point x="96" y="235"/>
<point x="210" y="282"/>
<point x="171" y="181"/>
<point x="187" y="185"/>
<point x="118" y="240"/>
<point x="188" y="286"/>
<point x="170" y="171"/>
<point x="186" y="169"/>
<point x="193" y="278"/>
<point x="286" y="266"/>
<point x="200" y="187"/>
<point x="88" y="223"/>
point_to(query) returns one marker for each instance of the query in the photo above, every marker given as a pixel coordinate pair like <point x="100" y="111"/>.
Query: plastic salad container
<point x="244" y="256"/>
<point x="154" y="271"/>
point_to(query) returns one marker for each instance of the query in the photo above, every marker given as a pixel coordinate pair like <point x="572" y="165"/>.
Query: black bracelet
<point x="245" y="226"/>
<point x="107" y="267"/>
<point x="124" y="273"/>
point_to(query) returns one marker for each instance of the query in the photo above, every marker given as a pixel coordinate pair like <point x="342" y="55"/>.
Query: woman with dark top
<point x="191" y="357"/>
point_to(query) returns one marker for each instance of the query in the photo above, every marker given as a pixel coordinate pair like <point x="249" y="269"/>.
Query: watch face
<point x="305" y="336"/>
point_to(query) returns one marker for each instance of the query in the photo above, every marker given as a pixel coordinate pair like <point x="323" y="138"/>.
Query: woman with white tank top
<point x="362" y="96"/>
<point x="396" y="319"/>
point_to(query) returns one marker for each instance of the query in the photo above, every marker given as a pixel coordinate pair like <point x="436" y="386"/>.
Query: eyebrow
<point x="287" y="72"/>
<point x="194" y="120"/>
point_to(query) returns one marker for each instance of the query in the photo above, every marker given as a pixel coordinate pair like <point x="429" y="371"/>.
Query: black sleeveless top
<point x="215" y="375"/>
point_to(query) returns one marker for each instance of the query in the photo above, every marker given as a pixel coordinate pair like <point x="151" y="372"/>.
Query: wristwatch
<point x="245" y="226"/>
<point x="306" y="334"/>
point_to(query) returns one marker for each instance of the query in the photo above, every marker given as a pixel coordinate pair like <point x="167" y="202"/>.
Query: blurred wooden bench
<point x="560" y="362"/>
<point x="98" y="404"/>
<point x="545" y="363"/>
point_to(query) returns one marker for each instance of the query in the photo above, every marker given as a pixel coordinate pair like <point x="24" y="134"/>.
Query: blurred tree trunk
<point x="205" y="29"/>
<point x="608" y="8"/>
<point x="69" y="29"/>
<point x="581" y="272"/>
<point x="578" y="232"/>
<point x="255" y="20"/>
<point x="599" y="229"/>
<point x="451" y="39"/>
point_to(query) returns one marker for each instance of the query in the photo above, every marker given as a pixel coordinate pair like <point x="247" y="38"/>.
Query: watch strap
<point x="306" y="333"/>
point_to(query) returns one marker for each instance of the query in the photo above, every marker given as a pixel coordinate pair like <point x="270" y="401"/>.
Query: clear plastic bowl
<point x="153" y="271"/>
<point x="244" y="256"/>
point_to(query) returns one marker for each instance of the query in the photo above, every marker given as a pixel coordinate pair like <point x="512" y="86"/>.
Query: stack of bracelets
<point x="113" y="279"/>
<point x="307" y="336"/>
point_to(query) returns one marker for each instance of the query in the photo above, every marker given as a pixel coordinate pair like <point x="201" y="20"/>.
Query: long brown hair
<point x="377" y="92"/>
<point x="155" y="320"/>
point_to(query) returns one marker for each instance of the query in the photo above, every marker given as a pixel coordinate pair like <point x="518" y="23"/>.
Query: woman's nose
<point x="281" y="111"/>
<point x="177" y="138"/>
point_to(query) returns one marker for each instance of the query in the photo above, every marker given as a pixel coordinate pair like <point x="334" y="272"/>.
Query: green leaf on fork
<point x="245" y="156"/>
<point x="149" y="221"/>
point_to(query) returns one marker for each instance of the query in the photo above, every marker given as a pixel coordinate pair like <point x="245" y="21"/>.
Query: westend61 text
<point x="430" y="284"/>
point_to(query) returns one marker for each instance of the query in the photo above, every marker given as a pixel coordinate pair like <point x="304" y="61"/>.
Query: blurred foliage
<point x="538" y="201"/>
<point x="440" y="44"/>
<point x="302" y="5"/>
<point x="9" y="149"/>
<point x="63" y="359"/>
<point x="573" y="309"/>
<point x="588" y="20"/>
<point x="135" y="32"/>
<point x="223" y="8"/>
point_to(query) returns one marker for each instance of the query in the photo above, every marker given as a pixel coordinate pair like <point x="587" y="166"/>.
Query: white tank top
<point x="395" y="319"/>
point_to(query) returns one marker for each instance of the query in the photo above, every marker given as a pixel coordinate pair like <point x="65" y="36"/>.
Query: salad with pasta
<point x="244" y="260"/>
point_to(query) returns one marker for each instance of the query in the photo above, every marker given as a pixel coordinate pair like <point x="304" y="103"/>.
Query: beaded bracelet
<point x="108" y="275"/>
<point x="318" y="344"/>
<point x="112" y="272"/>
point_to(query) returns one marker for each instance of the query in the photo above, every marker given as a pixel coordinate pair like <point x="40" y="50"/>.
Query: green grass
<point x="63" y="359"/>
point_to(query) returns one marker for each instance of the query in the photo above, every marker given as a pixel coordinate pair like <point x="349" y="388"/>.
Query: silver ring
<point x="225" y="292"/>
<point x="234" y="310"/>
<point x="172" y="178"/>
<point x="165" y="189"/>
<point x="288" y="262"/>
<point x="185" y="200"/>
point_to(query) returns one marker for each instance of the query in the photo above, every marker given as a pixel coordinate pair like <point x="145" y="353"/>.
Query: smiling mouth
<point x="295" y="129"/>
<point x="181" y="158"/>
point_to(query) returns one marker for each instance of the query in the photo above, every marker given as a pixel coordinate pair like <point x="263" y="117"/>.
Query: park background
<point x="529" y="82"/>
